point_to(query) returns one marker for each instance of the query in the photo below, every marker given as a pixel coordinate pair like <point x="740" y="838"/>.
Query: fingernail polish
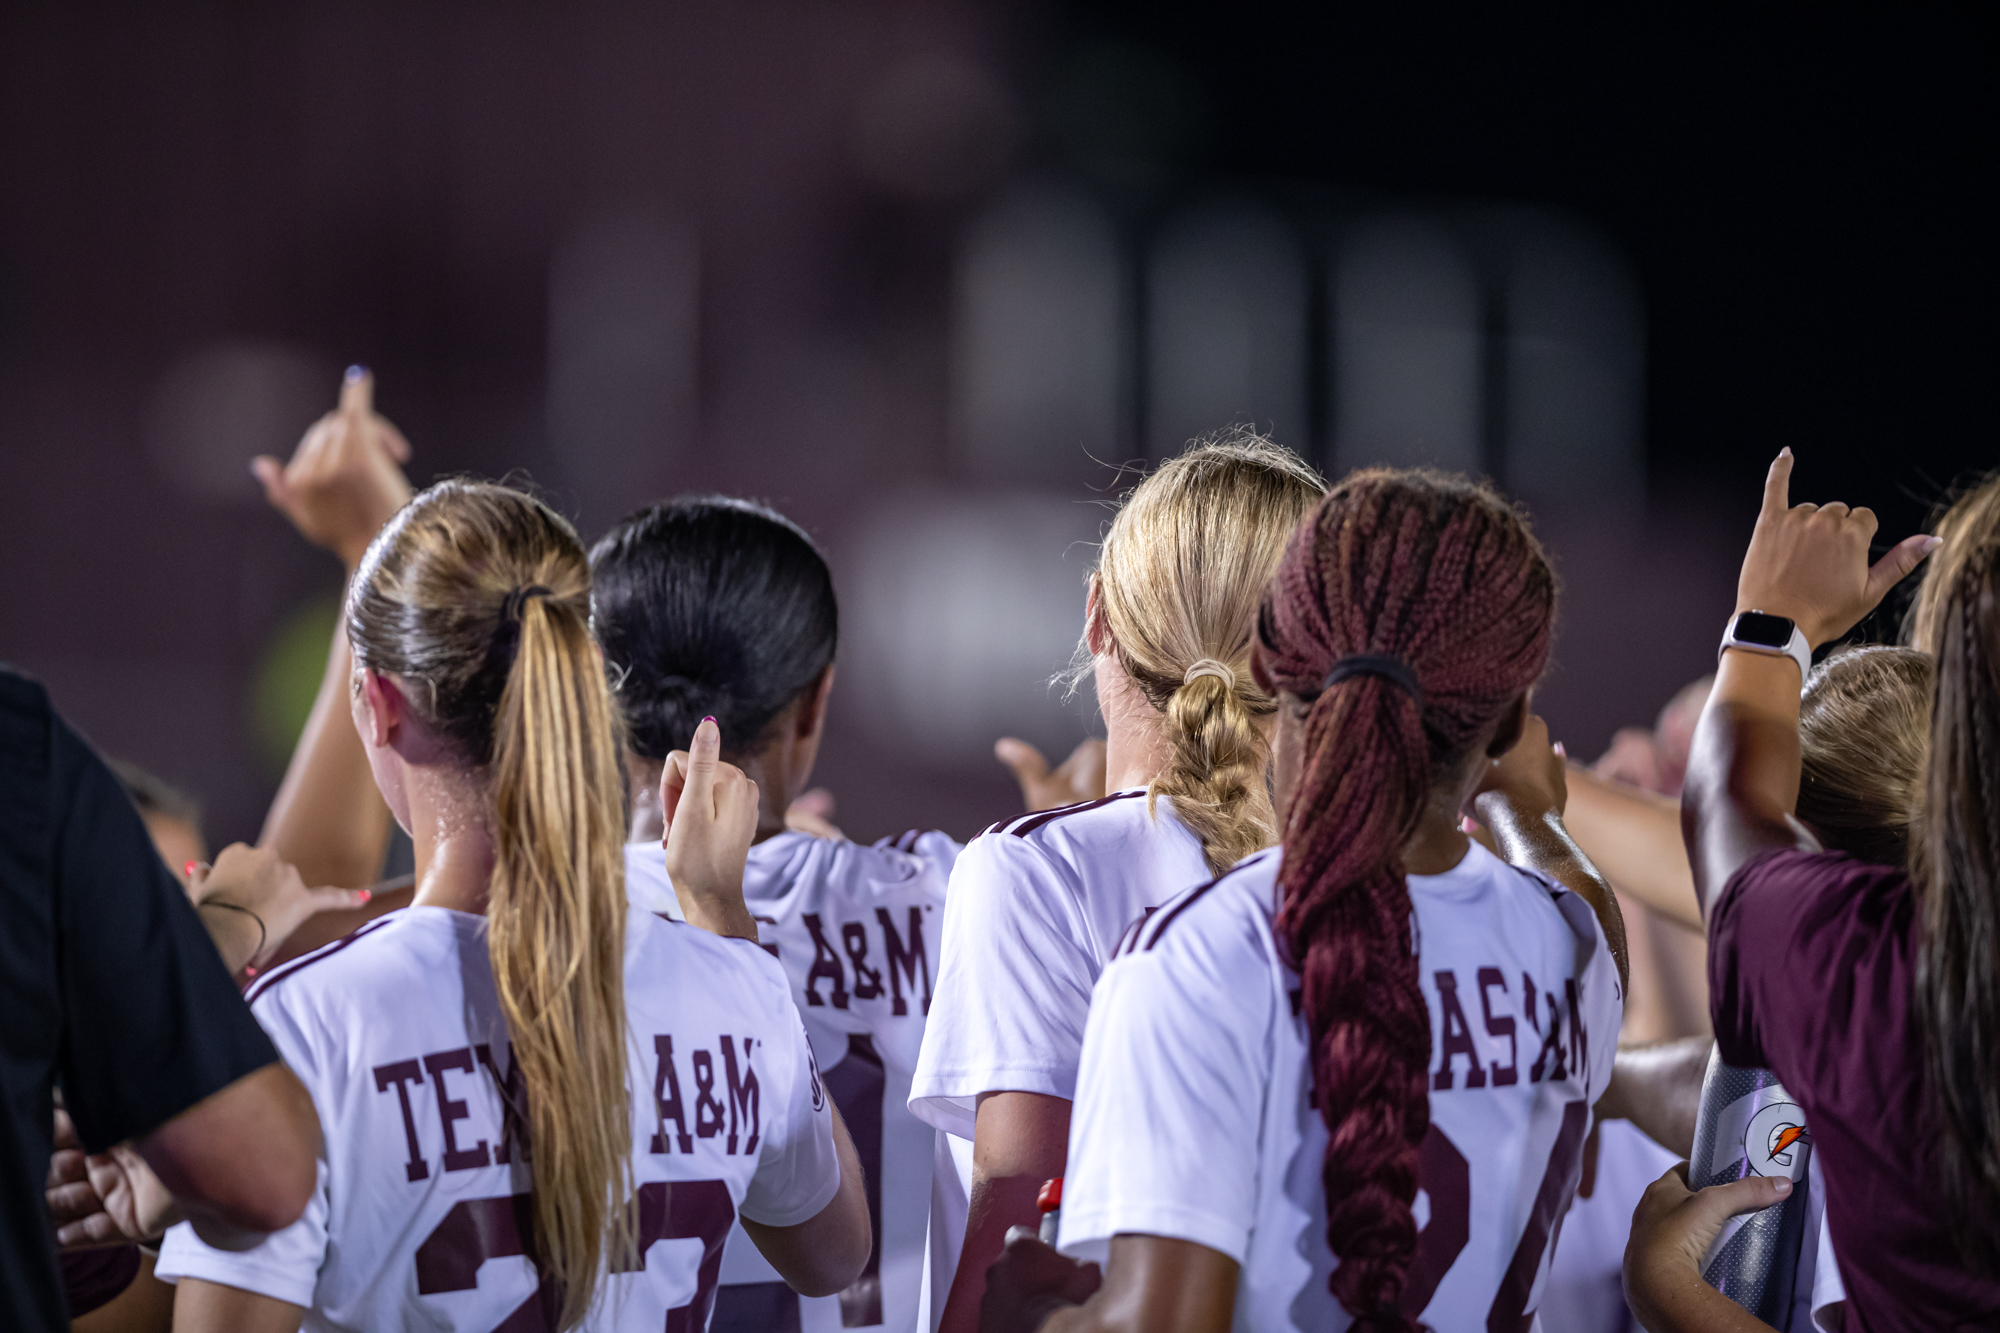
<point x="711" y="718"/>
<point x="356" y="371"/>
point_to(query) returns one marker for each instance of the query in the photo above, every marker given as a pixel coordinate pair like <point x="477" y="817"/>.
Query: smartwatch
<point x="1774" y="636"/>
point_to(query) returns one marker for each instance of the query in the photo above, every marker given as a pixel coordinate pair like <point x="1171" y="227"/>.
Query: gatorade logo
<point x="1775" y="1142"/>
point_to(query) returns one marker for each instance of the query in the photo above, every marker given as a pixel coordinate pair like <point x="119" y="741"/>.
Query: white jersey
<point x="856" y="929"/>
<point x="1193" y="1112"/>
<point x="1038" y="904"/>
<point x="1585" y="1290"/>
<point x="421" y="1217"/>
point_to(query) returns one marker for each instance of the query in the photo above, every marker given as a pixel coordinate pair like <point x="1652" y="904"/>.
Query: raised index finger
<point x="704" y="753"/>
<point x="357" y="391"/>
<point x="1778" y="484"/>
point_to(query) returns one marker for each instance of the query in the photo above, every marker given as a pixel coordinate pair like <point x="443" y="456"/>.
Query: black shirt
<point x="108" y="983"/>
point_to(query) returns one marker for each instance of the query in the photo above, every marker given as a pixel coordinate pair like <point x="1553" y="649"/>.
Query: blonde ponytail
<point x="482" y="594"/>
<point x="1179" y="579"/>
<point x="557" y="941"/>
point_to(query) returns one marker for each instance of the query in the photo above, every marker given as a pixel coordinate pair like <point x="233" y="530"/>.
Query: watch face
<point x="1762" y="630"/>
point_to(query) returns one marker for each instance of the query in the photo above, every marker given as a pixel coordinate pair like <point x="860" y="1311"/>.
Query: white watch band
<point x="1795" y="648"/>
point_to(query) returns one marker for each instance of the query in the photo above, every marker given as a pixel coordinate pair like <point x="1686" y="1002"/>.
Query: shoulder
<point x="1801" y="896"/>
<point x="1230" y="916"/>
<point x="930" y="846"/>
<point x="671" y="961"/>
<point x="352" y="964"/>
<point x="1084" y="834"/>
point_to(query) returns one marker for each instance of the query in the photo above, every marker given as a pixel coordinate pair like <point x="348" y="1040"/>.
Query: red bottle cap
<point x="1050" y="1198"/>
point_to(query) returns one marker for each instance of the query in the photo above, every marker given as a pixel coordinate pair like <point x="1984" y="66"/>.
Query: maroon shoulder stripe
<point x="1188" y="900"/>
<point x="1037" y="820"/>
<point x="298" y="965"/>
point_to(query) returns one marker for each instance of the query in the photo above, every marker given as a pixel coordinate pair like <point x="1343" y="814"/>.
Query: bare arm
<point x="1521" y="801"/>
<point x="201" y="1306"/>
<point x="243" y="1161"/>
<point x="1634" y="837"/>
<point x="1019" y="1141"/>
<point x="1658" y="1088"/>
<point x="342" y="485"/>
<point x="1155" y="1285"/>
<point x="1808" y="563"/>
<point x="825" y="1253"/>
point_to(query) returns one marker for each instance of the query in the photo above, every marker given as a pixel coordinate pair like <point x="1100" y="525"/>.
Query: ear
<point x="1512" y="723"/>
<point x="385" y="710"/>
<point x="812" y="705"/>
<point x="1096" y="629"/>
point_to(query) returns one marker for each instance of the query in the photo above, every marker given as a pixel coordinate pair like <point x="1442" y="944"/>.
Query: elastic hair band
<point x="517" y="600"/>
<point x="263" y="936"/>
<point x="1208" y="666"/>
<point x="1392" y="669"/>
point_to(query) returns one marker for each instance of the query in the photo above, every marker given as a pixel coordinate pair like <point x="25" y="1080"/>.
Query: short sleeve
<point x="152" y="1022"/>
<point x="798" y="1167"/>
<point x="1786" y="943"/>
<point x="1014" y="985"/>
<point x="1169" y="1105"/>
<point x="284" y="1266"/>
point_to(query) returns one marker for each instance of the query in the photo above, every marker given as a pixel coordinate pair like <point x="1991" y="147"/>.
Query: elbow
<point x="837" y="1265"/>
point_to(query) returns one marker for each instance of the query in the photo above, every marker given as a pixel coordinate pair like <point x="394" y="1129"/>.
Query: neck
<point x="452" y="840"/>
<point x="1135" y="734"/>
<point x="649" y="821"/>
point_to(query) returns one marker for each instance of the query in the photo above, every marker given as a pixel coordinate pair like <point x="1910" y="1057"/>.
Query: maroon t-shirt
<point x="1812" y="962"/>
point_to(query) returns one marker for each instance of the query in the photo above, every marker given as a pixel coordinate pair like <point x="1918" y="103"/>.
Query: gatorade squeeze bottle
<point x="1748" y="1125"/>
<point x="1050" y="1202"/>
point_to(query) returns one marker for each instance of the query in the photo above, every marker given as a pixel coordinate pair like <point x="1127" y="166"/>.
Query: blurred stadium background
<point x="924" y="276"/>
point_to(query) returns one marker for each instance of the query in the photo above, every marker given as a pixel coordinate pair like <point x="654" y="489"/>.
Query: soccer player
<point x="1279" y="1062"/>
<point x="713" y="606"/>
<point x="1038" y="903"/>
<point x="526" y="1084"/>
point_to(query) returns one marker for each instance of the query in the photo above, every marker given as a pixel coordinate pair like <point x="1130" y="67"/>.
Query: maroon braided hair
<point x="1441" y="573"/>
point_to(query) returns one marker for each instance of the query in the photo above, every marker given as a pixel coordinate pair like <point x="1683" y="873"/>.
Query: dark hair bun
<point x="709" y="606"/>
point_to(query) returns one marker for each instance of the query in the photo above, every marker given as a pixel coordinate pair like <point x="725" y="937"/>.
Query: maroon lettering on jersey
<point x="1552" y="1036"/>
<point x="1457" y="1036"/>
<point x="399" y="1076"/>
<point x="1579" y="1040"/>
<point x="745" y="1106"/>
<point x="1509" y="1312"/>
<point x="1447" y="1178"/>
<point x="513" y="1106"/>
<point x="684" y="1210"/>
<point x="451" y="1110"/>
<point x="708" y="1117"/>
<point x="474" y="1231"/>
<point x="1501" y="1025"/>
<point x="667" y="1098"/>
<point x="825" y="964"/>
<point x="867" y="981"/>
<point x="904" y="960"/>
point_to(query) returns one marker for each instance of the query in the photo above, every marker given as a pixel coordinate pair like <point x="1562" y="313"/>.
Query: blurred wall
<point x="923" y="276"/>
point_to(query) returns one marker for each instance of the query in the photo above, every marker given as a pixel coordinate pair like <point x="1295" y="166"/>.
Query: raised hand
<point x="110" y="1198"/>
<point x="1809" y="563"/>
<point x="711" y="814"/>
<point x="344" y="481"/>
<point x="253" y="883"/>
<point x="1079" y="778"/>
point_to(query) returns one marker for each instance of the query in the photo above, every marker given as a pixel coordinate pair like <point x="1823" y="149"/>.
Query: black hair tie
<point x="517" y="600"/>
<point x="1392" y="669"/>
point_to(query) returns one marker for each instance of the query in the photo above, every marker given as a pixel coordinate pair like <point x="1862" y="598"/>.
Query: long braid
<point x="1438" y="572"/>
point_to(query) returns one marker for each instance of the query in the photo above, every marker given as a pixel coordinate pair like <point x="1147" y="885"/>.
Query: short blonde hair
<point x="1179" y="578"/>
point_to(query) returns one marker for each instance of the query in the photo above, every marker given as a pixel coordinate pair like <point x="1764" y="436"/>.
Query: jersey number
<point x="1447" y="1179"/>
<point x="476" y="1230"/>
